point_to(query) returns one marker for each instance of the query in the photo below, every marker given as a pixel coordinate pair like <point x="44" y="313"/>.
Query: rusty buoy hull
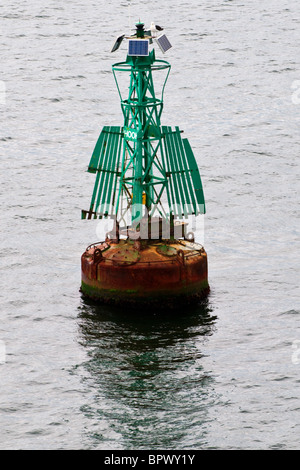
<point x="165" y="272"/>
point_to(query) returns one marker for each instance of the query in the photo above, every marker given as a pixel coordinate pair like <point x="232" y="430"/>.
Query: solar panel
<point x="138" y="47"/>
<point x="164" y="43"/>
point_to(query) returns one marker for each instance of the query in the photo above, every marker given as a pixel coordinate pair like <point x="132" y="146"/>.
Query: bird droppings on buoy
<point x="148" y="182"/>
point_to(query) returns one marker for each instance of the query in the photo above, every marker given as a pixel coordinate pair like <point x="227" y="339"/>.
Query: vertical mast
<point x="142" y="134"/>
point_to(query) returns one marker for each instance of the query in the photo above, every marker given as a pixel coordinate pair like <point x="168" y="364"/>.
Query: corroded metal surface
<point x="154" y="271"/>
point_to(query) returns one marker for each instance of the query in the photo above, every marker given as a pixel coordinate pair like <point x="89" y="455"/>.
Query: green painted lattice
<point x="143" y="166"/>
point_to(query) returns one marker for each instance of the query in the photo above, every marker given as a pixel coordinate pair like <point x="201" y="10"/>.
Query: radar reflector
<point x="164" y="43"/>
<point x="138" y="47"/>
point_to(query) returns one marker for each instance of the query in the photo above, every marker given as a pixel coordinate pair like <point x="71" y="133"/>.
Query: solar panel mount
<point x="139" y="42"/>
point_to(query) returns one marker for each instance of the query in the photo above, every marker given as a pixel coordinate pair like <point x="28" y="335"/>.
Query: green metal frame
<point x="139" y="163"/>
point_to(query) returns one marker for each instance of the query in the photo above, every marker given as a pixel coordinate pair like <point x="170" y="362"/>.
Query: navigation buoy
<point x="148" y="182"/>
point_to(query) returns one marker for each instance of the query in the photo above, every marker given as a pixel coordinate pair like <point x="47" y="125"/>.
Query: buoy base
<point x="146" y="273"/>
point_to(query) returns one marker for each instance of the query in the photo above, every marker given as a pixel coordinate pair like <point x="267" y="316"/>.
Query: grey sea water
<point x="224" y="375"/>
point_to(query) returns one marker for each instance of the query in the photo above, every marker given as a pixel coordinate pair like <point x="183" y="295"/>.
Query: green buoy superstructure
<point x="148" y="182"/>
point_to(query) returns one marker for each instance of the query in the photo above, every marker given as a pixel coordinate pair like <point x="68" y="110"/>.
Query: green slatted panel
<point x="92" y="205"/>
<point x="170" y="190"/>
<point x="184" y="183"/>
<point x="111" y="166"/>
<point x="97" y="153"/>
<point x="173" y="181"/>
<point x="164" y="166"/>
<point x="117" y="175"/>
<point x="105" y="161"/>
<point x="181" y="172"/>
<point x="195" y="174"/>
<point x="113" y="173"/>
<point x="103" y="166"/>
<point x="177" y="176"/>
<point x="190" y="193"/>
